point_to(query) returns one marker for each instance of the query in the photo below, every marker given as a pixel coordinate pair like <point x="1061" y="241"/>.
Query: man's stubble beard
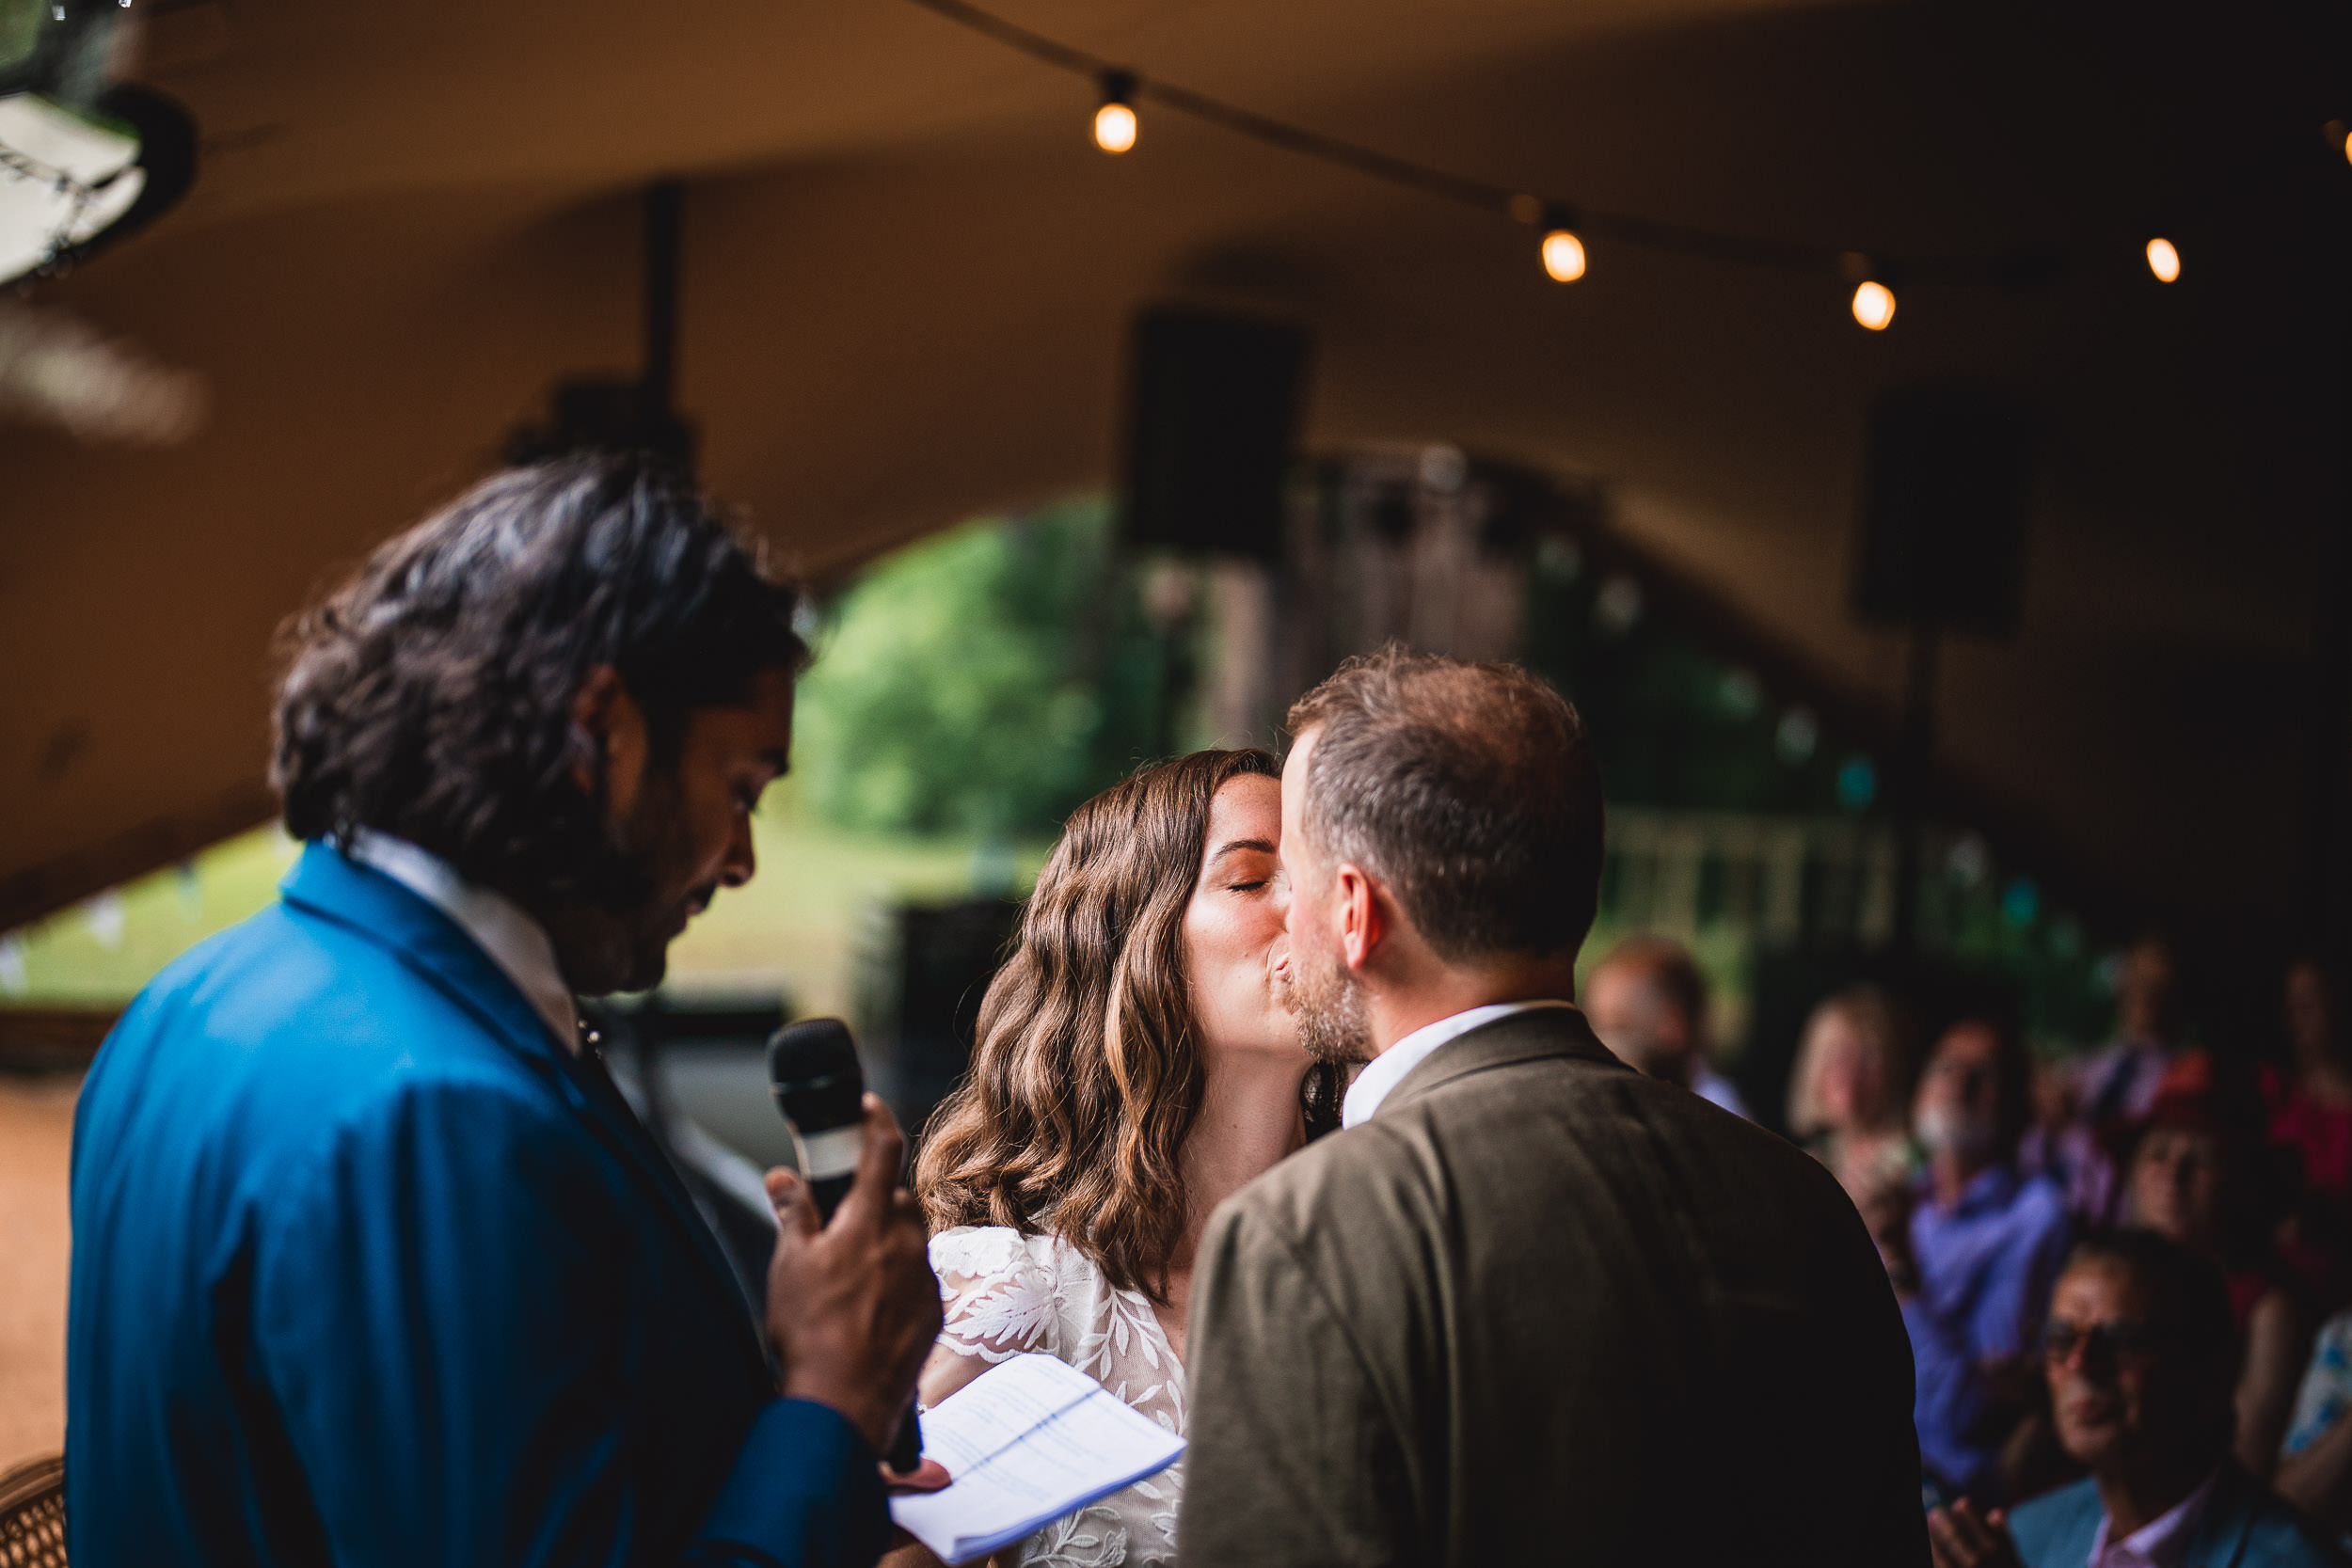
<point x="1943" y="1128"/>
<point x="615" y="935"/>
<point x="1334" y="1025"/>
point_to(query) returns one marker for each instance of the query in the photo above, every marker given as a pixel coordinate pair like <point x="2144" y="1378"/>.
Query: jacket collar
<point x="328" y="884"/>
<point x="1526" y="1037"/>
<point x="2218" y="1538"/>
<point x="518" y="943"/>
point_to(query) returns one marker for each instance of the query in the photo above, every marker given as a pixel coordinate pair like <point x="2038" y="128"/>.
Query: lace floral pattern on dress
<point x="1007" y="1294"/>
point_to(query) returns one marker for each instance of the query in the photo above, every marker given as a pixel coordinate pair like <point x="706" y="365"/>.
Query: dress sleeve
<point x="999" y="1302"/>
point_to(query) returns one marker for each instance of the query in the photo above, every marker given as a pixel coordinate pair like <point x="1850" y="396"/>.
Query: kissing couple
<point x="1501" y="1298"/>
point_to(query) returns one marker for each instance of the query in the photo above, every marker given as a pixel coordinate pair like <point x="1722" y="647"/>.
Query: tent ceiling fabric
<point x="909" y="277"/>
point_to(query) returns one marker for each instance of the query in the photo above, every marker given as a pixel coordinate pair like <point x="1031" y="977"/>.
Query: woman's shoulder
<point x="996" y="1259"/>
<point x="999" y="1251"/>
<point x="1005" y="1292"/>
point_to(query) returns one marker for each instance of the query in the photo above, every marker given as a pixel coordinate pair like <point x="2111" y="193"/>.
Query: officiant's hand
<point x="852" y="1305"/>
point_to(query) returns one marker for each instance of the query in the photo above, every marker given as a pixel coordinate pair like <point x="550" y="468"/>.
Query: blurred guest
<point x="2140" y="1355"/>
<point x="2096" y="1107"/>
<point x="1647" y="1001"/>
<point x="1849" y="1090"/>
<point x="2196" y="1177"/>
<point x="2314" y="1470"/>
<point x="2123" y="1077"/>
<point x="2311" y="1112"/>
<point x="1985" y="1243"/>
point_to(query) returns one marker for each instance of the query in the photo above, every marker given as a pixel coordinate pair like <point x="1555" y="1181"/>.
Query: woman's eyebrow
<point x="1264" y="847"/>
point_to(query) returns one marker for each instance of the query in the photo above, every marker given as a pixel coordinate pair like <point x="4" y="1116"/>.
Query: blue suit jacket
<point x="2243" y="1527"/>
<point x="368" y="1268"/>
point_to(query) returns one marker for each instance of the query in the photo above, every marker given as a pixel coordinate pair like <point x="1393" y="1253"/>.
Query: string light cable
<point x="1564" y="226"/>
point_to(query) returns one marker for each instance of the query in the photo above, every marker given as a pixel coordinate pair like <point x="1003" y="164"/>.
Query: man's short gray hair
<point x="1471" y="790"/>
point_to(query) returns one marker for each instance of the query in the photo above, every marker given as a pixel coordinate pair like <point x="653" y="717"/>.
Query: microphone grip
<point x="827" y="1193"/>
<point x="828" y="1160"/>
<point x="906" y="1450"/>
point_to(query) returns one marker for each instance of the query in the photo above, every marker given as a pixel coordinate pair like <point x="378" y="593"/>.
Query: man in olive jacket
<point x="1529" y="1306"/>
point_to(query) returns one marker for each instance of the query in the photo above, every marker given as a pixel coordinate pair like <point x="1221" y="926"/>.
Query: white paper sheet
<point x="1027" y="1442"/>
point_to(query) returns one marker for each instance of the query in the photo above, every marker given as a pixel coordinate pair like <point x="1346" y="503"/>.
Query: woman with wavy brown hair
<point x="1136" y="1062"/>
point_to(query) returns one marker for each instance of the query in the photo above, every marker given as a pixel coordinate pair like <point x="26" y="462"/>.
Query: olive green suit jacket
<point x="1541" y="1309"/>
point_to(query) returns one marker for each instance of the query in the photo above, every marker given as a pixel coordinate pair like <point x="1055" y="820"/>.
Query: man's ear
<point x="608" y="739"/>
<point x="1362" y="921"/>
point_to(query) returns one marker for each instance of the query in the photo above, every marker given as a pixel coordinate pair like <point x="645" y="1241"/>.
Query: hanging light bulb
<point x="1873" y="304"/>
<point x="2163" y="260"/>
<point x="1115" y="122"/>
<point x="1562" y="252"/>
<point x="1563" y="255"/>
<point x="1114" y="128"/>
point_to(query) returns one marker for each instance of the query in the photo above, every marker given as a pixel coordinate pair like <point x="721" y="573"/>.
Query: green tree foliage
<point x="986" y="681"/>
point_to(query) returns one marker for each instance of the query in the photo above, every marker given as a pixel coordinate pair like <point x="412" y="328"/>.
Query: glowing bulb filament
<point x="1874" y="306"/>
<point x="2164" y="260"/>
<point x="1563" y="255"/>
<point x="1114" y="128"/>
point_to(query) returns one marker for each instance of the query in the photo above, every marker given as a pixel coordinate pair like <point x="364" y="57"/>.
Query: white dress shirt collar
<point x="1388" y="1070"/>
<point x="514" y="941"/>
<point x="2161" y="1543"/>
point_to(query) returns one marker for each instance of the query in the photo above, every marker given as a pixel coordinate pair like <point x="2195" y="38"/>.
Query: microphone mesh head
<point x="815" y="1048"/>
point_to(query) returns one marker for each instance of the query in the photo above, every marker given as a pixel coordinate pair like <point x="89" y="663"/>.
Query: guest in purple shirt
<point x="1985" y="1245"/>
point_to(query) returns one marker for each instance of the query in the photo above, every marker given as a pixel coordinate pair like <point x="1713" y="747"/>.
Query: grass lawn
<point x="795" y="930"/>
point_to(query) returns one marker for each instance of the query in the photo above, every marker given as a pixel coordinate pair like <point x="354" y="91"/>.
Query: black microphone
<point x="813" y="1071"/>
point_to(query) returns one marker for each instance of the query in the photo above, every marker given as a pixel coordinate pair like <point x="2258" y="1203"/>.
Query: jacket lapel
<point x="1539" y="1032"/>
<point x="426" y="942"/>
<point x="2220" y="1540"/>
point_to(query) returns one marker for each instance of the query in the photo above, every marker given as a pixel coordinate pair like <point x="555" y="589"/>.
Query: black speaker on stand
<point x="1213" y="422"/>
<point x="1947" y="488"/>
<point x="636" y="415"/>
<point x="1213" y="415"/>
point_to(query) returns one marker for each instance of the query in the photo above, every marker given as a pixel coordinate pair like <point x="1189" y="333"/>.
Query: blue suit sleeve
<point x="805" y="1490"/>
<point x="444" y="1323"/>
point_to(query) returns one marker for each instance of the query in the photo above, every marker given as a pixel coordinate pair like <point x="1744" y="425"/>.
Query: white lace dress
<point x="1006" y="1294"/>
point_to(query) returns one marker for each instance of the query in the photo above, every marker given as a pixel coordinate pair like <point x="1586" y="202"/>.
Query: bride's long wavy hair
<point x="1086" y="1071"/>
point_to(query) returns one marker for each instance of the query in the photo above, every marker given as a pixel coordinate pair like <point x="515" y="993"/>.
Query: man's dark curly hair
<point x="431" y="695"/>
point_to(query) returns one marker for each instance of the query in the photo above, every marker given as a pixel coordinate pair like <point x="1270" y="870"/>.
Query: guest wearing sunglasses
<point x="2142" y="1354"/>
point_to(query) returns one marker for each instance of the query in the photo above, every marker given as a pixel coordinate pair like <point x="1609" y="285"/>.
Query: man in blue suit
<point x="2141" y="1353"/>
<point x="372" y="1264"/>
